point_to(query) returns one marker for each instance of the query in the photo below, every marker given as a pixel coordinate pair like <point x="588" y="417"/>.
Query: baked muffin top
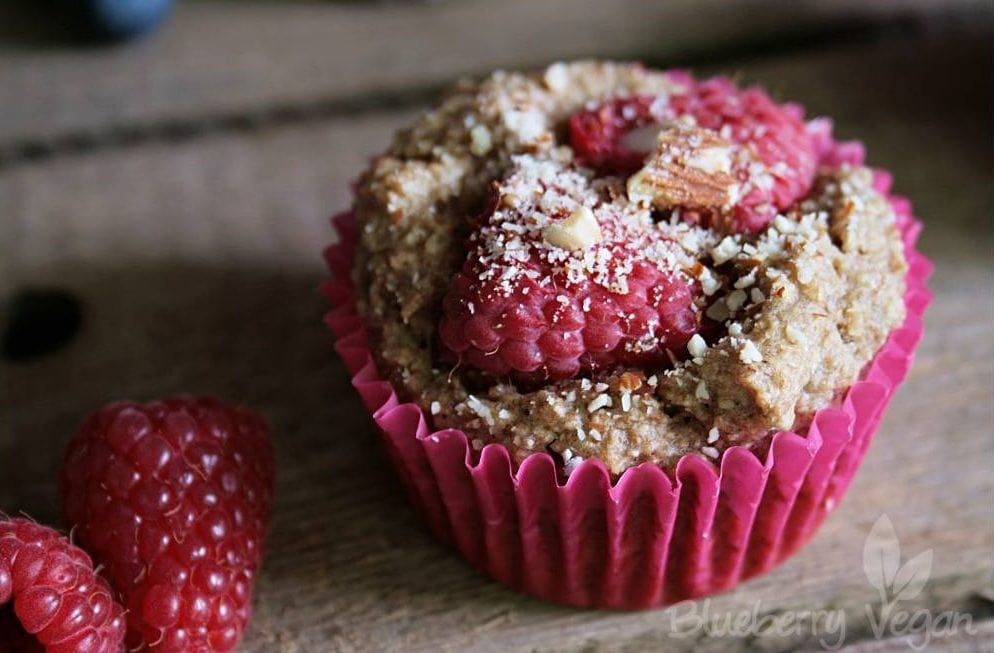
<point x="604" y="261"/>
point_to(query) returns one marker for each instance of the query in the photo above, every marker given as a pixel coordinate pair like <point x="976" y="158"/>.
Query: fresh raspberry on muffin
<point x="772" y="155"/>
<point x="549" y="290"/>
<point x="605" y="137"/>
<point x="554" y="287"/>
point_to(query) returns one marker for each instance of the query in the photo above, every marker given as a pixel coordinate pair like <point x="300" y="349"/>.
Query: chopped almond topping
<point x="577" y="232"/>
<point x="690" y="168"/>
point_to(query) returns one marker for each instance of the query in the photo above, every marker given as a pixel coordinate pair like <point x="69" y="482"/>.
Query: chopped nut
<point x="598" y="402"/>
<point x="749" y="353"/>
<point x="556" y="76"/>
<point x="696" y="346"/>
<point x="701" y="392"/>
<point x="713" y="435"/>
<point x="709" y="283"/>
<point x="726" y="250"/>
<point x="783" y="225"/>
<point x="573" y="463"/>
<point x="690" y="168"/>
<point x="480" y="409"/>
<point x="747" y="280"/>
<point x="480" y="140"/>
<point x="710" y="452"/>
<point x="795" y="335"/>
<point x="527" y="123"/>
<point x="711" y="159"/>
<point x="735" y="300"/>
<point x="579" y="231"/>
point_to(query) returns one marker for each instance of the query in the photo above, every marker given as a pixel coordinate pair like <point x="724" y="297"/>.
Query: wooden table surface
<point x="179" y="188"/>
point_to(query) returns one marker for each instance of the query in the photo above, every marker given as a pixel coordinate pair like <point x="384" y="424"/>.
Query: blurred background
<point x="166" y="175"/>
<point x="83" y="74"/>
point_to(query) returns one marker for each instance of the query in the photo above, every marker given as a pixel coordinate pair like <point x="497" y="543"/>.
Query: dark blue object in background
<point x="120" y="19"/>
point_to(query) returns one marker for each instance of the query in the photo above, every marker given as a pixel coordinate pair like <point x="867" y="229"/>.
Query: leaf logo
<point x="882" y="565"/>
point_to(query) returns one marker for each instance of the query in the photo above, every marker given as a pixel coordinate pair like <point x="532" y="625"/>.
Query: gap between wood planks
<point x="852" y="31"/>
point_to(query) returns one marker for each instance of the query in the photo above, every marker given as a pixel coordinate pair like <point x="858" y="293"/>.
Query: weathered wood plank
<point x="982" y="641"/>
<point x="218" y="59"/>
<point x="198" y="263"/>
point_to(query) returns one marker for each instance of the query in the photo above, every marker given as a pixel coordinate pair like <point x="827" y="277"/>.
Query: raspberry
<point x="532" y="311"/>
<point x="544" y="333"/>
<point x="775" y="161"/>
<point x="173" y="498"/>
<point x="598" y="135"/>
<point x="59" y="600"/>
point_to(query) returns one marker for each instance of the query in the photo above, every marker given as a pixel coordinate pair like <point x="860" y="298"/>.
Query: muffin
<point x="626" y="333"/>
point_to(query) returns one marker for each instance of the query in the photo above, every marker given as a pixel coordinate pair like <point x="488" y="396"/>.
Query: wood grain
<point x="217" y="60"/>
<point x="198" y="265"/>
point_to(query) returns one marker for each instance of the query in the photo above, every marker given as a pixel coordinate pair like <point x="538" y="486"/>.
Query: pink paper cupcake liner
<point x="651" y="537"/>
